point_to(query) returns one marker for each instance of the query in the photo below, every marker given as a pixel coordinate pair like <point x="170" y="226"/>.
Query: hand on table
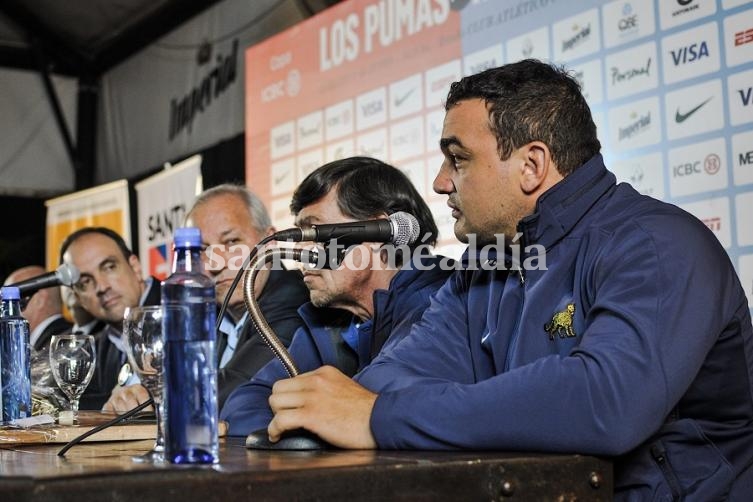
<point x="126" y="398"/>
<point x="327" y="403"/>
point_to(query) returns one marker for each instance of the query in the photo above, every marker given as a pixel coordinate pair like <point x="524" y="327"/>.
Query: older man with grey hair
<point x="232" y="221"/>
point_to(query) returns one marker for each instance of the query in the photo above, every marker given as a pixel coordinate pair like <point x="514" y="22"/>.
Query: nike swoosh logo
<point x="278" y="179"/>
<point x="399" y="100"/>
<point x="682" y="117"/>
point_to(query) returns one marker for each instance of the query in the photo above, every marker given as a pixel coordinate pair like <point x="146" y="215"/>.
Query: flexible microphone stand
<point x="299" y="439"/>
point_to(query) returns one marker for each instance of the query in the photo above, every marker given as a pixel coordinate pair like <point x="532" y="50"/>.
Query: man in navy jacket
<point x="611" y="324"/>
<point x="353" y="313"/>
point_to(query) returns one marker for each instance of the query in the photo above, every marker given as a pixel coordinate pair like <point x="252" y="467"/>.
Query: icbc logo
<point x="712" y="163"/>
<point x="687" y="169"/>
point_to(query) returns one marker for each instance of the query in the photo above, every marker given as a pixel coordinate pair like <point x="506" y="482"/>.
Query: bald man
<point x="43" y="309"/>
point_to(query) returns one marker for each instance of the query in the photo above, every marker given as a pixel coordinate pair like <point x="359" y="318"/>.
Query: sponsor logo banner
<point x="645" y="173"/>
<point x="588" y="75"/>
<point x="691" y="53"/>
<point x="676" y="12"/>
<point x="697" y="168"/>
<point x="627" y="21"/>
<point x="740" y="97"/>
<point x="483" y="59"/>
<point x="742" y="158"/>
<point x="631" y="71"/>
<point x="635" y="125"/>
<point x="744" y="208"/>
<point x="714" y="213"/>
<point x="694" y="110"/>
<point x="576" y="36"/>
<point x="534" y="44"/>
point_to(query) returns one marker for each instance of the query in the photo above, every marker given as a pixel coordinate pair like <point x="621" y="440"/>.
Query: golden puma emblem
<point x="561" y="323"/>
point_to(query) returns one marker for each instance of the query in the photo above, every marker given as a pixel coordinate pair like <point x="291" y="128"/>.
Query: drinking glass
<point x="72" y="360"/>
<point x="142" y="336"/>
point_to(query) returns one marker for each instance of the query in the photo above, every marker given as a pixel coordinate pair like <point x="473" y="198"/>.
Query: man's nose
<point x="442" y="182"/>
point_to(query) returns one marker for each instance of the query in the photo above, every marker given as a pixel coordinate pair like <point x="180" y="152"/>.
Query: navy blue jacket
<point x="316" y="343"/>
<point x="652" y="363"/>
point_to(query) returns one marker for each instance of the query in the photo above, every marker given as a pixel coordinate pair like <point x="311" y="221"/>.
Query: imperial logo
<point x="743" y="37"/>
<point x="690" y="53"/>
<point x="581" y="35"/>
<point x="623" y="76"/>
<point x="637" y="126"/>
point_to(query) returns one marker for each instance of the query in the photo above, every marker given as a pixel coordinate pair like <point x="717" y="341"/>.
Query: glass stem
<point x="159" y="408"/>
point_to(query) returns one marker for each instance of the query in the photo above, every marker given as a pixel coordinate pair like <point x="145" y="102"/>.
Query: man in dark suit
<point x="111" y="280"/>
<point x="43" y="309"/>
<point x="232" y="221"/>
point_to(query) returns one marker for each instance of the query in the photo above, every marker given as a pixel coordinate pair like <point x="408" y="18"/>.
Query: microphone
<point x="65" y="275"/>
<point x="400" y="228"/>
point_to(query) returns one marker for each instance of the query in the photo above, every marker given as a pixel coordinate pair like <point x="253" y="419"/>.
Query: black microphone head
<point x="405" y="228"/>
<point x="67" y="274"/>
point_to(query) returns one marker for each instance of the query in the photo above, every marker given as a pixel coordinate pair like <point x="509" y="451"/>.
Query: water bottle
<point x="190" y="372"/>
<point x="15" y="358"/>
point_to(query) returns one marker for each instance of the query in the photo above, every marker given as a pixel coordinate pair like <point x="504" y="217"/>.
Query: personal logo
<point x="712" y="163"/>
<point x="682" y="117"/>
<point x="561" y="323"/>
<point x="399" y="100"/>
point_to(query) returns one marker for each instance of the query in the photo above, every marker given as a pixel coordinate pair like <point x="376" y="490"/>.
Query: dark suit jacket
<point x="110" y="359"/>
<point x="56" y="327"/>
<point x="279" y="302"/>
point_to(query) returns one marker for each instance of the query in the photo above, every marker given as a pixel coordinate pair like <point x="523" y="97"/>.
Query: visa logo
<point x="745" y="95"/>
<point x="689" y="53"/>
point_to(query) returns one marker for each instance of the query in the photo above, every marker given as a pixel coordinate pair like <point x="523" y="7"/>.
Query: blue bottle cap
<point x="10" y="293"/>
<point x="187" y="237"/>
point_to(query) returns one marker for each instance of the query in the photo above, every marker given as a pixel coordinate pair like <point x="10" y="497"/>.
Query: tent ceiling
<point x="88" y="37"/>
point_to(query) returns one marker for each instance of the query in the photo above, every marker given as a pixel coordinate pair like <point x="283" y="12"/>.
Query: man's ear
<point x="135" y="264"/>
<point x="536" y="165"/>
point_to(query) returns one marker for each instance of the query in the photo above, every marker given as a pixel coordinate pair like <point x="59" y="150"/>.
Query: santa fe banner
<point x="162" y="201"/>
<point x="102" y="206"/>
<point x="669" y="82"/>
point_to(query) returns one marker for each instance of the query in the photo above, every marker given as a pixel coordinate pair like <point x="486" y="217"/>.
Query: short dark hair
<point x="107" y="232"/>
<point x="366" y="187"/>
<point x="534" y="101"/>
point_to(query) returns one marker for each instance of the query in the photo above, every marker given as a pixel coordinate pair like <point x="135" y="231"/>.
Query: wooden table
<point x="104" y="471"/>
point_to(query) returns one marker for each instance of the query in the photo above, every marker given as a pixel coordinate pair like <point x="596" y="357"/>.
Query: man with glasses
<point x="111" y="280"/>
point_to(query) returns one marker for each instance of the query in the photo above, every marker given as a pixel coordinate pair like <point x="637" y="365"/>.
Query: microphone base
<point x="297" y="440"/>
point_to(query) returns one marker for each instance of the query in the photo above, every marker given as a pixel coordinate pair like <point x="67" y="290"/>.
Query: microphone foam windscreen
<point x="67" y="274"/>
<point x="405" y="228"/>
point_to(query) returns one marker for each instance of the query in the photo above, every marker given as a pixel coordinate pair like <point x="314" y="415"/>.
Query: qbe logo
<point x="627" y="21"/>
<point x="691" y="53"/>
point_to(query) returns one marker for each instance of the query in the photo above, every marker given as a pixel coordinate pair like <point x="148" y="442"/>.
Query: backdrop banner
<point x="669" y="82"/>
<point x="162" y="202"/>
<point x="103" y="206"/>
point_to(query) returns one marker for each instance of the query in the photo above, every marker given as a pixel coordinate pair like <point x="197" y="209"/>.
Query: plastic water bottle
<point x="190" y="378"/>
<point x="15" y="358"/>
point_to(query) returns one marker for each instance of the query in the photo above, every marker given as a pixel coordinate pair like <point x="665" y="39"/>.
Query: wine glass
<point x="72" y="360"/>
<point x="142" y="337"/>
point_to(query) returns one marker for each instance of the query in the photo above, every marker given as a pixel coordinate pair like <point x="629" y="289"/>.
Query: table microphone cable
<point x="101" y="427"/>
